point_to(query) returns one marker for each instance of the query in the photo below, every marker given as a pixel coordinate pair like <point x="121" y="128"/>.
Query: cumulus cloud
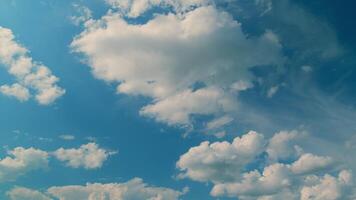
<point x="220" y="161"/>
<point x="21" y="161"/>
<point x="133" y="189"/>
<point x="30" y="76"/>
<point x="21" y="193"/>
<point x="89" y="156"/>
<point x="328" y="187"/>
<point x="283" y="145"/>
<point x="308" y="163"/>
<point x="234" y="172"/>
<point x="16" y="90"/>
<point x="166" y="56"/>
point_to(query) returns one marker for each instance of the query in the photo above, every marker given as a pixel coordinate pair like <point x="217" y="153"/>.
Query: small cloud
<point x="91" y="139"/>
<point x="272" y="91"/>
<point x="45" y="139"/>
<point x="219" y="122"/>
<point x="307" y="68"/>
<point x="67" y="137"/>
<point x="83" y="14"/>
<point x="241" y="86"/>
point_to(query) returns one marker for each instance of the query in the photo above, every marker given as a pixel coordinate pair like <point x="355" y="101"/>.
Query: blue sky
<point x="200" y="99"/>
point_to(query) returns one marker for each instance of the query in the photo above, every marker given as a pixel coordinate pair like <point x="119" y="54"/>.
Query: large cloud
<point x="21" y="161"/>
<point x="234" y="168"/>
<point x="31" y="77"/>
<point x="166" y="57"/>
<point x="133" y="189"/>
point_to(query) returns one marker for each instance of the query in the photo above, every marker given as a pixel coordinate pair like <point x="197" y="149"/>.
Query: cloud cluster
<point x="32" y="78"/>
<point x="133" y="189"/>
<point x="191" y="62"/>
<point x="21" y="160"/>
<point x="234" y="169"/>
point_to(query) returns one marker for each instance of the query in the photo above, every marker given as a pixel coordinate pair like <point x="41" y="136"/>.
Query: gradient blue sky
<point x="313" y="76"/>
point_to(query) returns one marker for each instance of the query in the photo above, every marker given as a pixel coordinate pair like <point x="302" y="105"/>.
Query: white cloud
<point x="274" y="178"/>
<point x="176" y="109"/>
<point x="32" y="77"/>
<point x="89" y="156"/>
<point x="307" y="68"/>
<point x="283" y="145"/>
<point x="21" y="161"/>
<point x="164" y="58"/>
<point x="133" y="189"/>
<point x="234" y="172"/>
<point x="219" y="122"/>
<point x="16" y="90"/>
<point x="67" y="137"/>
<point x="21" y="193"/>
<point x="241" y="86"/>
<point x="272" y="91"/>
<point x="83" y="14"/>
<point x="328" y="187"/>
<point x="220" y="161"/>
<point x="308" y="163"/>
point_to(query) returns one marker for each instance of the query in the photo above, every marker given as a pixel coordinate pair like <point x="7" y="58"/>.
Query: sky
<point x="177" y="100"/>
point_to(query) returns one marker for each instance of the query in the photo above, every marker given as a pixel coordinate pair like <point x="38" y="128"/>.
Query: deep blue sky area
<point x="309" y="89"/>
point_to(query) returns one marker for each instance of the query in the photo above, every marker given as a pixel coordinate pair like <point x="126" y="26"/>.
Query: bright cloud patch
<point x="89" y="156"/>
<point x="287" y="172"/>
<point x="166" y="57"/>
<point x="21" y="161"/>
<point x="21" y="193"/>
<point x="32" y="78"/>
<point x="133" y="189"/>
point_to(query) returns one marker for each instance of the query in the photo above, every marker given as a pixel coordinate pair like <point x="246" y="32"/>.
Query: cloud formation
<point x="89" y="156"/>
<point x="32" y="78"/>
<point x="166" y="57"/>
<point x="235" y="168"/>
<point x="133" y="189"/>
<point x="21" y="161"/>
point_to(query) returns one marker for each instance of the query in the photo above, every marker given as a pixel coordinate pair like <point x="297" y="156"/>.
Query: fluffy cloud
<point x="31" y="77"/>
<point x="21" y="193"/>
<point x="16" y="90"/>
<point x="168" y="55"/>
<point x="283" y="145"/>
<point x="328" y="187"/>
<point x="21" y="161"/>
<point x="234" y="172"/>
<point x="133" y="189"/>
<point x="89" y="156"/>
<point x="176" y="109"/>
<point x="309" y="163"/>
<point x="221" y="161"/>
